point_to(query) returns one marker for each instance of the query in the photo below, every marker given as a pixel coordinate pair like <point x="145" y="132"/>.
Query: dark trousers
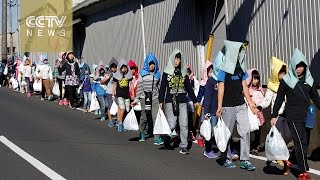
<point x="299" y="136"/>
<point x="71" y="94"/>
<point x="60" y="81"/>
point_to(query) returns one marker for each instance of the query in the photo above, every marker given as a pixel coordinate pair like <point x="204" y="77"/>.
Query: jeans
<point x="87" y="100"/>
<point x="103" y="100"/>
<point x="213" y="121"/>
<point x="183" y="121"/>
<point x="144" y="117"/>
<point x="28" y="84"/>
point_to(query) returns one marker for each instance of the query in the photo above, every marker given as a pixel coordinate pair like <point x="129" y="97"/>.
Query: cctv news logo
<point x="46" y="26"/>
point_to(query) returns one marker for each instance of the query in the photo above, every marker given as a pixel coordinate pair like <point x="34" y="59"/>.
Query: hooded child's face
<point x="210" y="71"/>
<point x="113" y="68"/>
<point x="152" y="67"/>
<point x="300" y="69"/>
<point x="255" y="82"/>
<point x="123" y="69"/>
<point x="280" y="75"/>
<point x="133" y="70"/>
<point x="177" y="62"/>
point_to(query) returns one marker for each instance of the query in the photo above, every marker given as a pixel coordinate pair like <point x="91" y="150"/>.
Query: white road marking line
<point x="33" y="161"/>
<point x="313" y="171"/>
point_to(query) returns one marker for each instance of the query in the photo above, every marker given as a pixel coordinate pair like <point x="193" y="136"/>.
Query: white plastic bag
<point x="55" y="89"/>
<point x="130" y="123"/>
<point x="114" y="108"/>
<point x="161" y="125"/>
<point x="94" y="105"/>
<point x="137" y="107"/>
<point x="276" y="148"/>
<point x="222" y="135"/>
<point x="254" y="121"/>
<point x="205" y="130"/>
<point x="5" y="72"/>
<point x="37" y="86"/>
<point x="23" y="83"/>
<point x="15" y="83"/>
<point x="196" y="86"/>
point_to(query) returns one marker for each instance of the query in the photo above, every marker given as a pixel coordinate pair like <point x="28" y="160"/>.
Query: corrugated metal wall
<point x="275" y="28"/>
<point x="169" y="25"/>
<point x="117" y="32"/>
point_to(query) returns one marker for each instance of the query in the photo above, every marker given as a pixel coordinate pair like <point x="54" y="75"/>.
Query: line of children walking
<point x="227" y="89"/>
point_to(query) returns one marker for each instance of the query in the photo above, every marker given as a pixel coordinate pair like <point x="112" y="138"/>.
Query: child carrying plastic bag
<point x="276" y="147"/>
<point x="205" y="130"/>
<point x="130" y="122"/>
<point x="222" y="135"/>
<point x="161" y="125"/>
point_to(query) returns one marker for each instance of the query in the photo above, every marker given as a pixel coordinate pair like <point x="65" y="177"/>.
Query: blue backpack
<point x="98" y="89"/>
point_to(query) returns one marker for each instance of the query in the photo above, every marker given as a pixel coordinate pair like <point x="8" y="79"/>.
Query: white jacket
<point x="270" y="98"/>
<point x="44" y="71"/>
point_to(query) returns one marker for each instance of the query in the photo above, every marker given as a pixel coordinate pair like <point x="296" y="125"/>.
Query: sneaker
<point x="42" y="99"/>
<point x="210" y="155"/>
<point x="142" y="137"/>
<point x="233" y="156"/>
<point x="228" y="164"/>
<point x="120" y="128"/>
<point x="65" y="102"/>
<point x="96" y="112"/>
<point x="247" y="165"/>
<point x="280" y="163"/>
<point x="255" y="152"/>
<point x="103" y="119"/>
<point x="200" y="141"/>
<point x="111" y="123"/>
<point x="304" y="176"/>
<point x="184" y="151"/>
<point x="158" y="141"/>
<point x="73" y="108"/>
<point x="60" y="103"/>
<point x="50" y="98"/>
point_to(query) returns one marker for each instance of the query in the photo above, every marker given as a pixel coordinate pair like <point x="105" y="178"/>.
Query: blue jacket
<point x="84" y="67"/>
<point x="210" y="102"/>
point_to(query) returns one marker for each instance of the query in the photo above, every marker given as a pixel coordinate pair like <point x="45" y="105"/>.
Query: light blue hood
<point x="291" y="78"/>
<point x="231" y="52"/>
<point x="217" y="63"/>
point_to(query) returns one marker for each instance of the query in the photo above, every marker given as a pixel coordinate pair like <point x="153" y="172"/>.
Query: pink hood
<point x="204" y="76"/>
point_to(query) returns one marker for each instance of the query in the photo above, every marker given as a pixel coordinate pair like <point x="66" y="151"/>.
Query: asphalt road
<point x="78" y="146"/>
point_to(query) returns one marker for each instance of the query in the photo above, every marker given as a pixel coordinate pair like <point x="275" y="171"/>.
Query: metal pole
<point x="11" y="32"/>
<point x="226" y="16"/>
<point x="4" y="31"/>
<point x="143" y="34"/>
<point x="18" y="30"/>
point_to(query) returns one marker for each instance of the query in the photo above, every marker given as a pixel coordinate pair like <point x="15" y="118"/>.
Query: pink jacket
<point x="256" y="93"/>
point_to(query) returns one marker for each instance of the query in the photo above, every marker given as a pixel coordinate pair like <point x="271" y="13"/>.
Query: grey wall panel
<point x="169" y="25"/>
<point x="275" y="28"/>
<point x="114" y="32"/>
<point x="117" y="32"/>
